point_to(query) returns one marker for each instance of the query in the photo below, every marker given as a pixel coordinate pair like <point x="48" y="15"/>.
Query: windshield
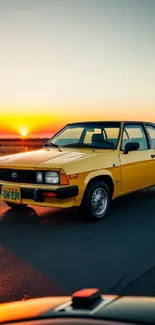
<point x="102" y="135"/>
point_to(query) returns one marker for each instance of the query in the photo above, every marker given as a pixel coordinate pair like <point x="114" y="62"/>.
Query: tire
<point x="16" y="206"/>
<point x="94" y="209"/>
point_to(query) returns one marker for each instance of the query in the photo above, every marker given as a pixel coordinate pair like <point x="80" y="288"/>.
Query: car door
<point x="136" y="166"/>
<point x="150" y="128"/>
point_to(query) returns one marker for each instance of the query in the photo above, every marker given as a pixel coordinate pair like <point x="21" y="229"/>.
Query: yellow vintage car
<point x="84" y="165"/>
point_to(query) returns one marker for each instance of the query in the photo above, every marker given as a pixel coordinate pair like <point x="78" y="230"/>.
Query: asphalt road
<point x="50" y="252"/>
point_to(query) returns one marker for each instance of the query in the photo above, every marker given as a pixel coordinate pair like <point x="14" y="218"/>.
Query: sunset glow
<point x="65" y="61"/>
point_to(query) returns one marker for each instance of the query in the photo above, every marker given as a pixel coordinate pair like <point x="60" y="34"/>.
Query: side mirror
<point x="131" y="146"/>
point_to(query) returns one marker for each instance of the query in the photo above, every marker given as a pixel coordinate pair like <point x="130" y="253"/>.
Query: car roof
<point x="107" y="121"/>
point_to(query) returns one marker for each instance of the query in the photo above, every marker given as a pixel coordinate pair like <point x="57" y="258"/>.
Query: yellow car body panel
<point x="127" y="172"/>
<point x="43" y="158"/>
<point x="85" y="162"/>
<point x="138" y="171"/>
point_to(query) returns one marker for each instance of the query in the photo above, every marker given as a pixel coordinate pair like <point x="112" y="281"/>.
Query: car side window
<point x="151" y="132"/>
<point x="134" y="133"/>
<point x="112" y="135"/>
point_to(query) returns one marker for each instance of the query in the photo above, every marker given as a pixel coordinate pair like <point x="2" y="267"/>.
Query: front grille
<point x="22" y="176"/>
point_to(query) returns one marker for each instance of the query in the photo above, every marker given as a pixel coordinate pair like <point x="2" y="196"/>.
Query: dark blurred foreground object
<point x="86" y="306"/>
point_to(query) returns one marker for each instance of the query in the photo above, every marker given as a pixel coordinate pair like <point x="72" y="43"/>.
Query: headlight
<point x="39" y="177"/>
<point x="52" y="178"/>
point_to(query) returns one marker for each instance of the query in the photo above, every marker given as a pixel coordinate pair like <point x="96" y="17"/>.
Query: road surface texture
<point x="49" y="252"/>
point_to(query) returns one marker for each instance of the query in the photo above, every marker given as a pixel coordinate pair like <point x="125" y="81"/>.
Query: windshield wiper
<point x="78" y="145"/>
<point x="51" y="144"/>
<point x="85" y="145"/>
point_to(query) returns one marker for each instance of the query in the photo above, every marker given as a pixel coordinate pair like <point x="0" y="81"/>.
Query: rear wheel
<point x="16" y="206"/>
<point x="96" y="201"/>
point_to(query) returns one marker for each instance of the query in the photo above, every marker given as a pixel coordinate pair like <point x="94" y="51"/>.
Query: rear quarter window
<point x="151" y="132"/>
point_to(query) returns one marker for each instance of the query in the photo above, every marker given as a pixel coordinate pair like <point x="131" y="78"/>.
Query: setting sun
<point x="23" y="132"/>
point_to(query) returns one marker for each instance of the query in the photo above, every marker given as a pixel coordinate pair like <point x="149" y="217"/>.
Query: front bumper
<point x="36" y="195"/>
<point x="60" y="193"/>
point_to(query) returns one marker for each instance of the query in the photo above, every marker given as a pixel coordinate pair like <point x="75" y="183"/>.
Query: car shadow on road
<point x="75" y="253"/>
<point x="138" y="202"/>
<point x="29" y="217"/>
<point x="19" y="217"/>
<point x="135" y="205"/>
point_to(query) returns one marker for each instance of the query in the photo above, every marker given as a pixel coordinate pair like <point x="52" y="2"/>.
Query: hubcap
<point x="99" y="201"/>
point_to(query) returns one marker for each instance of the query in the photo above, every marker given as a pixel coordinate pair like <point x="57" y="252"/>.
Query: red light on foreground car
<point x="85" y="293"/>
<point x="49" y="194"/>
<point x="85" y="297"/>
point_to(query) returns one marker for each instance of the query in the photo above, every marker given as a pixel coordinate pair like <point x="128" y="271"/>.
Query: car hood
<point x="43" y="158"/>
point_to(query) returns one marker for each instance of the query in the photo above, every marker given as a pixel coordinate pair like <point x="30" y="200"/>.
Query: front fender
<point x="97" y="173"/>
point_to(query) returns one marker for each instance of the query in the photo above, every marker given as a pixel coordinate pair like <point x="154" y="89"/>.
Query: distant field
<point x="10" y="146"/>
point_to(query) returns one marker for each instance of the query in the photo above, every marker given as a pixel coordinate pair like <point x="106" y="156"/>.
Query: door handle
<point x="152" y="156"/>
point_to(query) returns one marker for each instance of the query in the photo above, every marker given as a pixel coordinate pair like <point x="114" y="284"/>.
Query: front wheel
<point x="96" y="201"/>
<point x="16" y="206"/>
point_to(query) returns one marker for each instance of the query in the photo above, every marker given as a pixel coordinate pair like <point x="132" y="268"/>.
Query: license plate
<point x="11" y="194"/>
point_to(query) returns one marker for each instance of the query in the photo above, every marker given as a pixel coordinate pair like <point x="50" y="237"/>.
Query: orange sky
<point x="43" y="123"/>
<point x="66" y="61"/>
